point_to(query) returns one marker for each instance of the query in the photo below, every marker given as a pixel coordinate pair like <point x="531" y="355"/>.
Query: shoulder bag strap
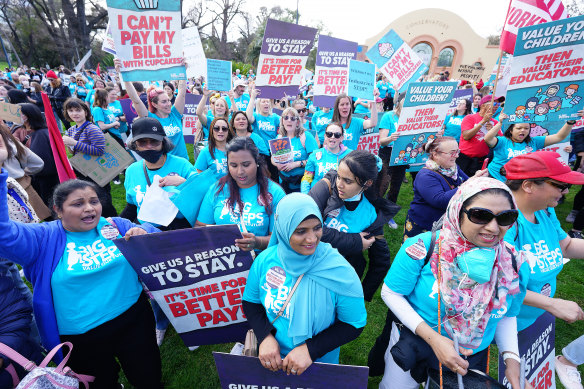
<point x="288" y="299"/>
<point x="16" y="357"/>
<point x="146" y="174"/>
<point x="20" y="201"/>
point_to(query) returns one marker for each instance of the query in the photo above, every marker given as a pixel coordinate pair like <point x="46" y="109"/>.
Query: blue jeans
<point x="162" y="321"/>
<point x="574" y="352"/>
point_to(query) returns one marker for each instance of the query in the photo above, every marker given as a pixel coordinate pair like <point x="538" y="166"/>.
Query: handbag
<point x="41" y="376"/>
<point x="250" y="345"/>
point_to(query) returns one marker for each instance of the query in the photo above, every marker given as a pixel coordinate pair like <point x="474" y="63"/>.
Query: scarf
<point x="450" y="172"/>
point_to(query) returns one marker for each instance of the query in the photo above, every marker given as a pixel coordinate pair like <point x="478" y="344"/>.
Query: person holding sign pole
<point x="84" y="290"/>
<point x="461" y="281"/>
<point x="245" y="197"/>
<point x="354" y="127"/>
<point x="219" y="109"/>
<point x="326" y="309"/>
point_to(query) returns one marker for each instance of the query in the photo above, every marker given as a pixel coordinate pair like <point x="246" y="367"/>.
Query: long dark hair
<point x="212" y="145"/>
<point x="245" y="143"/>
<point x="9" y="139"/>
<point x="363" y="165"/>
<point x="337" y="114"/>
<point x="509" y="134"/>
<point x="232" y="122"/>
<point x="35" y="117"/>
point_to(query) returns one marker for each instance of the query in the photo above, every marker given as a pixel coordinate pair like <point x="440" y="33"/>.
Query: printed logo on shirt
<point x="275" y="299"/>
<point x="514" y="153"/>
<point x="348" y="136"/>
<point x="91" y="256"/>
<point x="323" y="121"/>
<point x="500" y="313"/>
<point x="296" y="153"/>
<point x="337" y="225"/>
<point x="266" y="126"/>
<point x="323" y="168"/>
<point x="221" y="165"/>
<point x="457" y="121"/>
<point x="139" y="194"/>
<point x="172" y="130"/>
<point x="249" y="219"/>
<point x="545" y="259"/>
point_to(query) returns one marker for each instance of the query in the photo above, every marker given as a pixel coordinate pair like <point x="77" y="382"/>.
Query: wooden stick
<point x="497" y="76"/>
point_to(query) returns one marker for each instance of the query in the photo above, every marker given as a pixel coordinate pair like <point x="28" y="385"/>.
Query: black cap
<point x="147" y="128"/>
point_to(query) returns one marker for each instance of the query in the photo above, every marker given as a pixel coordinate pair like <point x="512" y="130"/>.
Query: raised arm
<point x="491" y="135"/>
<point x="563" y="133"/>
<point x="201" y="107"/>
<point x="141" y="109"/>
<point x="179" y="102"/>
<point x="372" y="121"/>
<point x="250" y="106"/>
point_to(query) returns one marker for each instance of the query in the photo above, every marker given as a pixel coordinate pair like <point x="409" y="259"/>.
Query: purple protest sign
<point x="331" y="74"/>
<point x="285" y="49"/>
<point x="238" y="371"/>
<point x="197" y="276"/>
<point x="129" y="111"/>
<point x="190" y="117"/>
<point x="459" y="94"/>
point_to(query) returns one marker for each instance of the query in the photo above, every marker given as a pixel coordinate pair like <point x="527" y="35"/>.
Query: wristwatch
<point x="571" y="122"/>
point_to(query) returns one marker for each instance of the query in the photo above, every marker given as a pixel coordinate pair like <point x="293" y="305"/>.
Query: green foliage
<point x="243" y="67"/>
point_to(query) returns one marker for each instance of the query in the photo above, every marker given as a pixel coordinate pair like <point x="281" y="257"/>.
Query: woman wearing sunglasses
<point x="219" y="109"/>
<point x="291" y="173"/>
<point x="434" y="186"/>
<point x="538" y="182"/>
<point x="470" y="287"/>
<point x="516" y="141"/>
<point x="300" y="106"/>
<point x="213" y="155"/>
<point x="326" y="158"/>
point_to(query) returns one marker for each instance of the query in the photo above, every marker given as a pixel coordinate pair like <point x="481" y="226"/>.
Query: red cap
<point x="541" y="164"/>
<point x="51" y="74"/>
<point x="488" y="98"/>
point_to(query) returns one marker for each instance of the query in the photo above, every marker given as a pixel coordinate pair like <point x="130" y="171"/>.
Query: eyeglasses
<point x="220" y="129"/>
<point x="147" y="141"/>
<point x="453" y="154"/>
<point x="330" y="134"/>
<point x="292" y="118"/>
<point x="302" y="110"/>
<point x="560" y="185"/>
<point x="484" y="216"/>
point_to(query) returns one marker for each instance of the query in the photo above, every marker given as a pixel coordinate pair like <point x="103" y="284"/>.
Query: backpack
<point x="41" y="376"/>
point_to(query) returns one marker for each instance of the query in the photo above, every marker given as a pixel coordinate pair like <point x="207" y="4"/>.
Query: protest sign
<point x="111" y="71"/>
<point x="545" y="129"/>
<point x="194" y="54"/>
<point x="547" y="77"/>
<point x="537" y="349"/>
<point x="504" y="60"/>
<point x="331" y="69"/>
<point x="281" y="149"/>
<point x="108" y="44"/>
<point x="369" y="139"/>
<point x="459" y="94"/>
<point x="190" y="117"/>
<point x="469" y="73"/>
<point x="218" y="75"/>
<point x="102" y="169"/>
<point x="197" y="276"/>
<point x="421" y="117"/>
<point x="10" y="112"/>
<point x="192" y="191"/>
<point x="129" y="111"/>
<point x="361" y="80"/>
<point x="81" y="63"/>
<point x="397" y="61"/>
<point x="238" y="372"/>
<point x="284" y="52"/>
<point x="146" y="39"/>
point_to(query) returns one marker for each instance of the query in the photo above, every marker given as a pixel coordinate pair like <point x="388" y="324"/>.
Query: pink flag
<point x="64" y="169"/>
<point x="523" y="13"/>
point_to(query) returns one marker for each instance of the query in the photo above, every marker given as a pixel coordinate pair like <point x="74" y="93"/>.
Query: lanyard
<point x="19" y="200"/>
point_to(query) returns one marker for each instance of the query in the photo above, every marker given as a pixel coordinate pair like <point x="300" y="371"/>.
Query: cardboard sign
<point x="108" y="45"/>
<point x="238" y="371"/>
<point x="218" y="75"/>
<point x="197" y="276"/>
<point x="104" y="168"/>
<point x="194" y="54"/>
<point x="10" y="112"/>
<point x="281" y="149"/>
<point x="284" y="53"/>
<point x="469" y="73"/>
<point x="361" y="80"/>
<point x="421" y="117"/>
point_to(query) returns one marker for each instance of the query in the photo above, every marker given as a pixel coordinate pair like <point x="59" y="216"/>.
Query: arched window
<point x="446" y="57"/>
<point x="424" y="51"/>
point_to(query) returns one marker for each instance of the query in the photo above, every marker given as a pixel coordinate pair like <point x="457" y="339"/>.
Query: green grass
<point x="185" y="369"/>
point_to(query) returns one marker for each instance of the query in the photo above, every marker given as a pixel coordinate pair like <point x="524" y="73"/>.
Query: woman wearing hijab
<point x="327" y="308"/>
<point x="470" y="288"/>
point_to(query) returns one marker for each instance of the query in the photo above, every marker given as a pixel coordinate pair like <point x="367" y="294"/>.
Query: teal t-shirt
<point x="320" y="162"/>
<point x="272" y="292"/>
<point x="389" y="122"/>
<point x="205" y="161"/>
<point x="319" y="121"/>
<point x="452" y="123"/>
<point x="505" y="149"/>
<point x="92" y="283"/>
<point x="172" y="125"/>
<point x="266" y="126"/>
<point x="343" y="220"/>
<point x="362" y="110"/>
<point x="214" y="208"/>
<point x="353" y="133"/>
<point x="116" y="108"/>
<point x="136" y="184"/>
<point x="241" y="102"/>
<point x="107" y="117"/>
<point x="300" y="154"/>
<point x="384" y="88"/>
<point x="260" y="144"/>
<point x="409" y="277"/>
<point x="541" y="242"/>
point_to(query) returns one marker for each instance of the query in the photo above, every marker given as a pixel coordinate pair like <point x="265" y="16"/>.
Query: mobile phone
<point x="485" y="164"/>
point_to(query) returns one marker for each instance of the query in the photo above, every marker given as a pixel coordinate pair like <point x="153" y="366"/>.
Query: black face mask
<point x="151" y="156"/>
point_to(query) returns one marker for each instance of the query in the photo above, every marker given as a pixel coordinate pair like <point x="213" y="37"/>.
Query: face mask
<point x="477" y="263"/>
<point x="357" y="197"/>
<point x="151" y="156"/>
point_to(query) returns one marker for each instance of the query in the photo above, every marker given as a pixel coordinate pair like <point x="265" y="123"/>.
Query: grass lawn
<point x="185" y="369"/>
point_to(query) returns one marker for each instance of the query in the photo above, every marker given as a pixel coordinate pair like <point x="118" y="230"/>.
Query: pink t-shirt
<point x="476" y="146"/>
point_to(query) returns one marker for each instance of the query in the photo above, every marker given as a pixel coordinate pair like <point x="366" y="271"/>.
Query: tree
<point x="225" y="12"/>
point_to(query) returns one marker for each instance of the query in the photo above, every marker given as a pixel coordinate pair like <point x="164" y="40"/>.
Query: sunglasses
<point x="220" y="129"/>
<point x="146" y="141"/>
<point x="484" y="216"/>
<point x="560" y="185"/>
<point x="302" y="110"/>
<point x="330" y="134"/>
<point x="292" y="118"/>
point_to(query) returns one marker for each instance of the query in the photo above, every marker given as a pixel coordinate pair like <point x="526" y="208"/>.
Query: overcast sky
<point x="358" y="20"/>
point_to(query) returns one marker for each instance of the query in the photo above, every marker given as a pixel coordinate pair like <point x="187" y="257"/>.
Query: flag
<point x="64" y="169"/>
<point x="98" y="71"/>
<point x="523" y="13"/>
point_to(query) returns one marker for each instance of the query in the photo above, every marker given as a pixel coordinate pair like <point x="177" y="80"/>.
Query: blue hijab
<point x="324" y="271"/>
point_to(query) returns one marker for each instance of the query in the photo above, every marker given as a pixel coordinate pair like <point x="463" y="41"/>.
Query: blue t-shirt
<point x="343" y="220"/>
<point x="172" y="125"/>
<point x="353" y="132"/>
<point x="384" y="89"/>
<point x="90" y="97"/>
<point x="409" y="277"/>
<point x="266" y="126"/>
<point x="92" y="283"/>
<point x="205" y="161"/>
<point x="389" y="122"/>
<point x="214" y="209"/>
<point x="274" y="293"/>
<point x="319" y="121"/>
<point x="80" y="91"/>
<point x="136" y="184"/>
<point x="505" y="149"/>
<point x="363" y="110"/>
<point x="541" y="242"/>
<point x="260" y="144"/>
<point x="452" y="123"/>
<point x="300" y="154"/>
<point x="241" y="102"/>
<point x="116" y="108"/>
<point x="320" y="162"/>
<point x="107" y="117"/>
